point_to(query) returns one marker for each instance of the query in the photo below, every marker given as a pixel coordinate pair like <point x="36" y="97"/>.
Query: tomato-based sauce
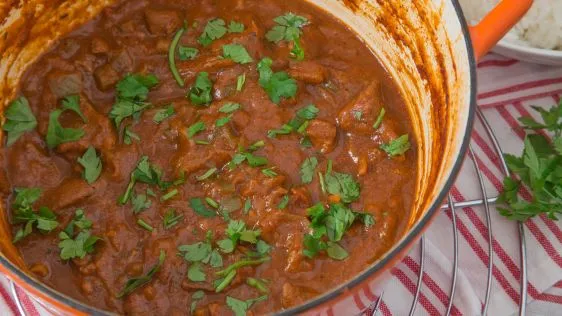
<point x="206" y="157"/>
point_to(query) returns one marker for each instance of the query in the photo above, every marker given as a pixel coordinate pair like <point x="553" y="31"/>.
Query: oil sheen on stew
<point x="206" y="157"/>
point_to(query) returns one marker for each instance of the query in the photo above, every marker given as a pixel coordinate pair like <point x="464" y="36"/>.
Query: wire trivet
<point x="452" y="206"/>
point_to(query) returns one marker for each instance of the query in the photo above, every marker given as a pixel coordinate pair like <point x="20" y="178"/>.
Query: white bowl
<point x="529" y="54"/>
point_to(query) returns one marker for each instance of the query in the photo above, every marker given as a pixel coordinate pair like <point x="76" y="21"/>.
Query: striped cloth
<point x="507" y="90"/>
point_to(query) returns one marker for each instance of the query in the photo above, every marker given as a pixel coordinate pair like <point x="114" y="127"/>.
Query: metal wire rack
<point x="453" y="206"/>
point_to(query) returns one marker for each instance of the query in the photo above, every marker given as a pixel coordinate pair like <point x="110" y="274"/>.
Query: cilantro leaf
<point x="397" y="147"/>
<point x="19" y="119"/>
<point x="140" y="202"/>
<point x="337" y="252"/>
<point x="240" y="81"/>
<point x="164" y="114"/>
<point x="277" y="85"/>
<point x="307" y="169"/>
<point x="129" y="136"/>
<point x="230" y="107"/>
<point x="92" y="165"/>
<point x="241" y="307"/>
<point x="342" y="185"/>
<point x="80" y="245"/>
<point x="145" y="172"/>
<point x="284" y="202"/>
<point x="72" y="103"/>
<point x="298" y="123"/>
<point x="215" y="29"/>
<point x="135" y="283"/>
<point x="289" y="28"/>
<point x="199" y="207"/>
<point x="222" y="121"/>
<point x="195" y="272"/>
<point x="237" y="53"/>
<point x="132" y="92"/>
<point x="195" y="252"/>
<point x="171" y="219"/>
<point x="200" y="92"/>
<point x="269" y="172"/>
<point x="56" y="134"/>
<point x="236" y="27"/>
<point x="187" y="53"/>
<point x="195" y="128"/>
<point x="379" y="119"/>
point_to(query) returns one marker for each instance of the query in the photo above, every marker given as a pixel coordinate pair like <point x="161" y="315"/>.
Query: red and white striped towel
<point x="507" y="88"/>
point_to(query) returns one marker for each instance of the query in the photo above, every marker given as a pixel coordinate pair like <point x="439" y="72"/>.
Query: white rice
<point x="541" y="27"/>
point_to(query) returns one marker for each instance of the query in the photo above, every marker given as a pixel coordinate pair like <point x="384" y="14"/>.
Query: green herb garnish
<point x="56" y="134"/>
<point x="164" y="114"/>
<point x="307" y="169"/>
<point x="380" y="117"/>
<point x="80" y="245"/>
<point x="220" y="122"/>
<point x="200" y="92"/>
<point x="215" y="29"/>
<point x="298" y="123"/>
<point x="19" y="119"/>
<point x="44" y="220"/>
<point x="187" y="53"/>
<point x="240" y="81"/>
<point x="171" y="219"/>
<point x="135" y="283"/>
<point x="92" y="165"/>
<point x="289" y="28"/>
<point x="284" y="202"/>
<point x="199" y="207"/>
<point x="195" y="129"/>
<point x="132" y="93"/>
<point x="277" y="85"/>
<point x="235" y="27"/>
<point x="72" y="103"/>
<point x="237" y="53"/>
<point x="397" y="147"/>
<point x="230" y="107"/>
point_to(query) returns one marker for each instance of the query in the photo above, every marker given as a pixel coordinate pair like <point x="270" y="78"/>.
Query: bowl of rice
<point x="537" y="38"/>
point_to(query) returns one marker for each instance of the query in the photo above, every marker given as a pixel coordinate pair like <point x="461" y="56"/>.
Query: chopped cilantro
<point x="307" y="169"/>
<point x="145" y="173"/>
<point x="240" y="81"/>
<point x="199" y="207"/>
<point x="257" y="145"/>
<point x="171" y="219"/>
<point x="140" y="202"/>
<point x="397" y="147"/>
<point x="230" y="107"/>
<point x="164" y="114"/>
<point x="241" y="307"/>
<point x="187" y="53"/>
<point x="19" y="119"/>
<point x="132" y="92"/>
<point x="235" y="27"/>
<point x="195" y="129"/>
<point x="195" y="272"/>
<point x="247" y="206"/>
<point x="380" y="117"/>
<point x="72" y="103"/>
<point x="358" y="115"/>
<point x="200" y="92"/>
<point x="225" y="281"/>
<point x="80" y="245"/>
<point x="269" y="172"/>
<point x="277" y="85"/>
<point x="222" y="121"/>
<point x="207" y="174"/>
<point x="289" y="28"/>
<point x="129" y="136"/>
<point x="258" y="284"/>
<point x="240" y="264"/>
<point x="298" y="123"/>
<point x="237" y="53"/>
<point x="45" y="220"/>
<point x="92" y="165"/>
<point x="284" y="202"/>
<point x="146" y="226"/>
<point x="169" y="195"/>
<point x="342" y="185"/>
<point x="195" y="298"/>
<point x="56" y="134"/>
<point x="215" y="29"/>
<point x="135" y="283"/>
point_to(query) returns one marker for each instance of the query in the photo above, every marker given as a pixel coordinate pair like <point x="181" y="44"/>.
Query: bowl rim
<point x="530" y="50"/>
<point x="412" y="236"/>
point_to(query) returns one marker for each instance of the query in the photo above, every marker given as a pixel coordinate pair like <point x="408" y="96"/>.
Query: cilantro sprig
<point x="56" y="133"/>
<point x="539" y="168"/>
<point x="201" y="91"/>
<point x="289" y="28"/>
<point x="132" y="93"/>
<point x="22" y="207"/>
<point x="298" y="124"/>
<point x="397" y="146"/>
<point x="92" y="165"/>
<point x="83" y="243"/>
<point x="237" y="53"/>
<point x="277" y="84"/>
<point x="19" y="120"/>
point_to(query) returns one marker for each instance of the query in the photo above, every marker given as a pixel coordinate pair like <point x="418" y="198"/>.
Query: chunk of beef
<point x="99" y="46"/>
<point x="63" y="84"/>
<point x="162" y="21"/>
<point x="322" y="134"/>
<point x="307" y="72"/>
<point x="70" y="192"/>
<point x="34" y="164"/>
<point x="368" y="104"/>
<point x="122" y="62"/>
<point x="106" y="77"/>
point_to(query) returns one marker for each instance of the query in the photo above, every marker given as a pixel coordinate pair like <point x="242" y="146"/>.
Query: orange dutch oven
<point x="427" y="47"/>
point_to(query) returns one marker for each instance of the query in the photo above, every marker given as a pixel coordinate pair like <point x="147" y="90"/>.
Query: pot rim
<point x="411" y="237"/>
